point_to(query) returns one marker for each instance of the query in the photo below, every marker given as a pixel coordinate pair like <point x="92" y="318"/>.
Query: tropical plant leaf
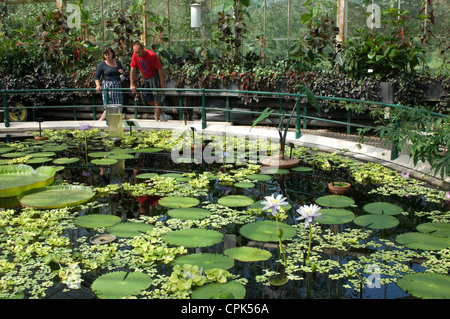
<point x="435" y="229"/>
<point x="189" y="213"/>
<point x="235" y="201"/>
<point x="205" y="261"/>
<point x="376" y="221"/>
<point x="193" y="237"/>
<point x="334" y="216"/>
<point x="266" y="231"/>
<point x="335" y="201"/>
<point x="265" y="114"/>
<point x="15" y="179"/>
<point x="120" y="284"/>
<point x="247" y="254"/>
<point x="97" y="220"/>
<point x="56" y="196"/>
<point x="178" y="202"/>
<point x="423" y="241"/>
<point x="129" y="229"/>
<point x="217" y="290"/>
<point x="426" y="285"/>
<point x="382" y="208"/>
<point x="244" y="184"/>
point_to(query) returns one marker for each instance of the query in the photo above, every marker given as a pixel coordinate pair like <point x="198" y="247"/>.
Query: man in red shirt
<point x="148" y="63"/>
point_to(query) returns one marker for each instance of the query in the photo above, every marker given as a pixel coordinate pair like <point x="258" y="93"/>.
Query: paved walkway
<point x="372" y="151"/>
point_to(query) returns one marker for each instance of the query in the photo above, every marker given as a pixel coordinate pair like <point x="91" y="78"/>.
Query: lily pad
<point x="217" y="290"/>
<point x="56" y="196"/>
<point x="376" y="221"/>
<point x="38" y="160"/>
<point x="335" y="201"/>
<point x="205" y="261"/>
<point x="178" y="202"/>
<point x="150" y="150"/>
<point x="129" y="229"/>
<point x="277" y="171"/>
<point x="423" y="241"/>
<point x="235" y="201"/>
<point x="189" y="213"/>
<point x="247" y="254"/>
<point x="120" y="284"/>
<point x="15" y="179"/>
<point x="244" y="184"/>
<point x="382" y="208"/>
<point x="14" y="154"/>
<point x="121" y="156"/>
<point x="42" y="154"/>
<point x="193" y="237"/>
<point x="99" y="154"/>
<point x="302" y="169"/>
<point x="66" y="160"/>
<point x="146" y="175"/>
<point x="426" y="285"/>
<point x="435" y="229"/>
<point x="266" y="231"/>
<point x="259" y="177"/>
<point x="97" y="220"/>
<point x="335" y="216"/>
<point x="104" y="161"/>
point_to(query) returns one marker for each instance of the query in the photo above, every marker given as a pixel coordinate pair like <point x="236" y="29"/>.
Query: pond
<point x="127" y="214"/>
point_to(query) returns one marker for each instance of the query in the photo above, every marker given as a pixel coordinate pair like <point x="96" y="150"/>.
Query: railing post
<point x="298" y="132"/>
<point x="94" y="109"/>
<point x="394" y="151"/>
<point x="227" y="106"/>
<point x="6" y="110"/>
<point x="348" y="120"/>
<point x="180" y="108"/>
<point x="203" y="109"/>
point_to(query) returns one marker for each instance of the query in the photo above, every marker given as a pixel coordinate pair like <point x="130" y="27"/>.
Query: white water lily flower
<point x="274" y="203"/>
<point x="309" y="213"/>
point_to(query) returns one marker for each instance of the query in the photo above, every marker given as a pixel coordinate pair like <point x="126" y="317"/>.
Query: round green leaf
<point x="97" y="220"/>
<point x="266" y="231"/>
<point x="146" y="175"/>
<point x="38" y="160"/>
<point x="435" y="229"/>
<point x="189" y="213"/>
<point x="302" y="169"/>
<point x="376" y="221"/>
<point x="99" y="154"/>
<point x="382" y="208"/>
<point x="42" y="154"/>
<point x="335" y="201"/>
<point x="65" y="160"/>
<point x="56" y="196"/>
<point x="205" y="261"/>
<point x="423" y="241"/>
<point x="14" y="154"/>
<point x="244" y="184"/>
<point x="15" y="179"/>
<point x="217" y="290"/>
<point x="120" y="284"/>
<point x="178" y="202"/>
<point x="104" y="161"/>
<point x="235" y="201"/>
<point x="248" y="253"/>
<point x="426" y="285"/>
<point x="193" y="237"/>
<point x="129" y="229"/>
<point x="121" y="156"/>
<point x="334" y="216"/>
<point x="279" y="171"/>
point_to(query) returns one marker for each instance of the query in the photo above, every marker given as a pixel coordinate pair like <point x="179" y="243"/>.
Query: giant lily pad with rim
<point x="56" y="196"/>
<point x="15" y="179"/>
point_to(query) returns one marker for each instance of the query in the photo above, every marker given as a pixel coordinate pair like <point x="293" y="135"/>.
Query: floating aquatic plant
<point x="205" y="261"/>
<point x="120" y="284"/>
<point x="56" y="196"/>
<point x="248" y="254"/>
<point x="193" y="237"/>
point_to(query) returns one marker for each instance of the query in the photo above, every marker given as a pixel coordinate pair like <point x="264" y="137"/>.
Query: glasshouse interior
<point x="224" y="149"/>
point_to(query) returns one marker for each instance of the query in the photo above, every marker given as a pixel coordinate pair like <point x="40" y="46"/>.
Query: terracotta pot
<point x="41" y="138"/>
<point x="339" y="190"/>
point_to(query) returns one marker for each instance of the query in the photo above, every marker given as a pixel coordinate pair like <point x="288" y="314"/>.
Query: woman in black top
<point x="110" y="70"/>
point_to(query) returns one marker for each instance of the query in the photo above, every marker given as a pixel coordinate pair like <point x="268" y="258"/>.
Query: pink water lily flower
<point x="309" y="213"/>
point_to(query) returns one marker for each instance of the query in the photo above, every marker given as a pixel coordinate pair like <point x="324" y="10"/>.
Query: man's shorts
<point x="150" y="96"/>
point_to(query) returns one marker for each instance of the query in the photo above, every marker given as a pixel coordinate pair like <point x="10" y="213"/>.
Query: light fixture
<point x="196" y="13"/>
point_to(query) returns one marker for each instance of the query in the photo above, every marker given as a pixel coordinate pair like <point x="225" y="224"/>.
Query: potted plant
<point x="339" y="188"/>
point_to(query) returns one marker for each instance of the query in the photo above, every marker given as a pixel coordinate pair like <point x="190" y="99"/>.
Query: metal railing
<point x="301" y="104"/>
